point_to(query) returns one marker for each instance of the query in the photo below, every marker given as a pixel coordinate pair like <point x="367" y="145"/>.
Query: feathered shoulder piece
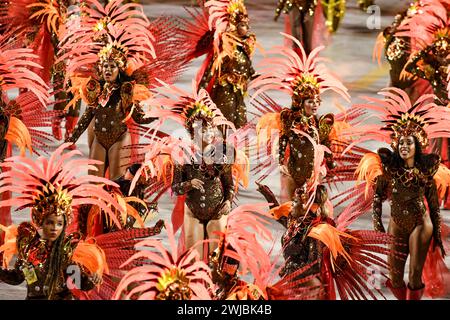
<point x="89" y="255"/>
<point x="26" y="232"/>
<point x="326" y="123"/>
<point x="369" y="168"/>
<point x="385" y="156"/>
<point x="430" y="163"/>
<point x="442" y="180"/>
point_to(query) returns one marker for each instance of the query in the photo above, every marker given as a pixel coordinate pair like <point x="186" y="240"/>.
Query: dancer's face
<point x="242" y="28"/>
<point x="406" y="147"/>
<point x="52" y="227"/>
<point x="311" y="106"/>
<point x="208" y="134"/>
<point x="110" y="71"/>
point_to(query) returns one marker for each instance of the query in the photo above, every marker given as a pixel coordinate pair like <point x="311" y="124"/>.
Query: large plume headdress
<point x="424" y="119"/>
<point x="226" y="14"/>
<point x="296" y="73"/>
<point x="188" y="108"/>
<point x="427" y="24"/>
<point x="15" y="70"/>
<point x="55" y="185"/>
<point x="115" y="31"/>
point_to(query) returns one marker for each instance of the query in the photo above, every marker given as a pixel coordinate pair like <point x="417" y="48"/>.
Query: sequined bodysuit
<point x="32" y="265"/>
<point x="301" y="151"/>
<point x="110" y="108"/>
<point x="218" y="187"/>
<point x="406" y="189"/>
<point x="230" y="87"/>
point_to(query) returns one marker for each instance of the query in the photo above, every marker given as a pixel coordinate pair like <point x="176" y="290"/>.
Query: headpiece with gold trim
<point x="399" y="117"/>
<point x="427" y="23"/>
<point x="226" y="14"/>
<point x="115" y="31"/>
<point x="54" y="185"/>
<point x="188" y="108"/>
<point x="296" y="73"/>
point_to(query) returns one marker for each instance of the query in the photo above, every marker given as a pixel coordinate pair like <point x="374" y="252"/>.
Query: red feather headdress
<point x="54" y="185"/>
<point x="116" y="31"/>
<point x="296" y="73"/>
<point x="186" y="108"/>
<point x="423" y="119"/>
<point x="15" y="73"/>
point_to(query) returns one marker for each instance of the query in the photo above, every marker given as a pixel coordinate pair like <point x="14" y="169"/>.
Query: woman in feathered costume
<point x="430" y="37"/>
<point x="222" y="32"/>
<point x="397" y="48"/>
<point x="43" y="22"/>
<point x="116" y="42"/>
<point x="304" y="79"/>
<point x="330" y="254"/>
<point x="23" y="118"/>
<point x="204" y="180"/>
<point x="429" y="34"/>
<point x="46" y="256"/>
<point x="407" y="177"/>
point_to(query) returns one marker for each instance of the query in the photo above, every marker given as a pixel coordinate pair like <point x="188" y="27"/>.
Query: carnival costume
<point x="170" y="275"/>
<point x="397" y="47"/>
<point x="329" y="253"/>
<point x="303" y="78"/>
<point x="428" y="60"/>
<point x="120" y="34"/>
<point x="387" y="178"/>
<point x="227" y="69"/>
<point x="43" y="22"/>
<point x="22" y="119"/>
<point x="51" y="186"/>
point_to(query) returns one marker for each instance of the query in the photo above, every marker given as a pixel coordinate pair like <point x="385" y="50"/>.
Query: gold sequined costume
<point x="406" y="189"/>
<point x="301" y="151"/>
<point x="229" y="89"/>
<point x="109" y="106"/>
<point x="217" y="188"/>
<point x="32" y="265"/>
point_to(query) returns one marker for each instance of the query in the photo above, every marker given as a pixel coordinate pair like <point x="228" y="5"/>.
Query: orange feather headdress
<point x="51" y="186"/>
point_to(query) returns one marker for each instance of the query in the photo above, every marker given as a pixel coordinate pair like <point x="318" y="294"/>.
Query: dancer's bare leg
<point x="98" y="152"/>
<point x="214" y="226"/>
<point x="419" y="241"/>
<point x="396" y="263"/>
<point x="119" y="157"/>
<point x="193" y="230"/>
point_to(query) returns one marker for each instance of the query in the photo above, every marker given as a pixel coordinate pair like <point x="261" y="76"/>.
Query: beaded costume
<point x="132" y="45"/>
<point x="227" y="69"/>
<point x="387" y="177"/>
<point x="302" y="78"/>
<point x="51" y="269"/>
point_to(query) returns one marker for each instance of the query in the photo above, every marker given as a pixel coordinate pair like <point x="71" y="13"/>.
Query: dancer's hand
<point x="96" y="278"/>
<point x="197" y="184"/>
